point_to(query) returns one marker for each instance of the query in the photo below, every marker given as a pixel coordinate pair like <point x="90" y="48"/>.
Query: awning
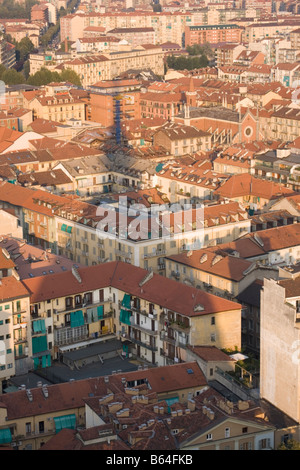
<point x="39" y="344"/>
<point x="39" y="326"/>
<point x="126" y="301"/>
<point x="100" y="311"/>
<point x="125" y="317"/>
<point x="65" y="422"/>
<point x="77" y="319"/>
<point x="5" y="436"/>
<point x="66" y="228"/>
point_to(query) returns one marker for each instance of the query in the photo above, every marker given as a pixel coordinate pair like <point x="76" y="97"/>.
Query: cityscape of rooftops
<point x="149" y="227"/>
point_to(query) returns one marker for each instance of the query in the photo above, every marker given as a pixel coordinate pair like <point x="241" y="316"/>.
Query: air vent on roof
<point x="203" y="258"/>
<point x="258" y="240"/>
<point x="146" y="278"/>
<point x="76" y="274"/>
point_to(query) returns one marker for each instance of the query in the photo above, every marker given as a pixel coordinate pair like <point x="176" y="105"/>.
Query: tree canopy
<point x="14" y="9"/>
<point x="187" y="62"/>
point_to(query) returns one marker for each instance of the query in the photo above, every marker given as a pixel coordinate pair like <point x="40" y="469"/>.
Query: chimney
<point x="114" y="407"/>
<point x="191" y="405"/>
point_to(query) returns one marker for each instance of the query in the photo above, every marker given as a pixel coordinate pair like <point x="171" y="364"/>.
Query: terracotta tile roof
<point x="126" y="277"/>
<point x="44" y="178"/>
<point x="214" y="261"/>
<point x="278" y="238"/>
<point x="11" y="289"/>
<point x="8" y="137"/>
<point x="247" y="185"/>
<point x="291" y="286"/>
<point x="70" y="395"/>
<point x="70" y="439"/>
<point x="210" y="353"/>
<point x="32" y="260"/>
<point x="5" y="260"/>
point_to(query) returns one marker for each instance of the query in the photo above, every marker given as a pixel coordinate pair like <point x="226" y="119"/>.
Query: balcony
<point x="154" y="253"/>
<point x="123" y="253"/>
<point x="150" y="346"/>
<point x="144" y="329"/>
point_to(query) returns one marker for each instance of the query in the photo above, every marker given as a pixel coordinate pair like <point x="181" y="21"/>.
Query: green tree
<point x="43" y="77"/>
<point x="291" y="444"/>
<point x="24" y="48"/>
<point x="12" y="77"/>
<point x="69" y="75"/>
<point x="2" y="70"/>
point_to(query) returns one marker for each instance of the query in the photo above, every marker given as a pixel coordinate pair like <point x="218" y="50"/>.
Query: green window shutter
<point x="5" y="436"/>
<point x="100" y="311"/>
<point x="39" y="326"/>
<point x="77" y="319"/>
<point x="39" y="344"/>
<point x="126" y="301"/>
<point x="125" y="317"/>
<point x="63" y="228"/>
<point x="69" y="229"/>
<point x="65" y="422"/>
<point x="48" y="360"/>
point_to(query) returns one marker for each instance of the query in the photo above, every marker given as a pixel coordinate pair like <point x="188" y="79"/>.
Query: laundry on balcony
<point x="92" y="315"/>
<point x="77" y="319"/>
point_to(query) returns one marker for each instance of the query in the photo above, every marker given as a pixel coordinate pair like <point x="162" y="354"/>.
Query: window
<point x="209" y="437"/>
<point x="244" y="430"/>
<point x="227" y="432"/>
<point x="28" y="428"/>
<point x="213" y="321"/>
<point x="246" y="446"/>
<point x="41" y="427"/>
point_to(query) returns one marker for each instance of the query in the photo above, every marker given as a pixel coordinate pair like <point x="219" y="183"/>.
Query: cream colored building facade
<point x="279" y="349"/>
<point x="93" y="68"/>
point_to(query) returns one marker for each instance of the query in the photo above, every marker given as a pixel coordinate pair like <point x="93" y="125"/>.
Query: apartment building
<point x="295" y="38"/>
<point x="92" y="69"/>
<point x="213" y="34"/>
<point x="261" y="30"/>
<point x="280" y="345"/>
<point x="280" y="165"/>
<point x="60" y="408"/>
<point x="59" y="107"/>
<point x="90" y="235"/>
<point x="114" y="100"/>
<point x="253" y="193"/>
<point x="88" y="303"/>
<point x="7" y="54"/>
<point x="167" y="26"/>
<point x="40" y="13"/>
<point x="287" y="73"/>
<point x="216" y="271"/>
<point x="15" y="315"/>
<point x="134" y="36"/>
<point x="181" y="140"/>
<point x="32" y="31"/>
